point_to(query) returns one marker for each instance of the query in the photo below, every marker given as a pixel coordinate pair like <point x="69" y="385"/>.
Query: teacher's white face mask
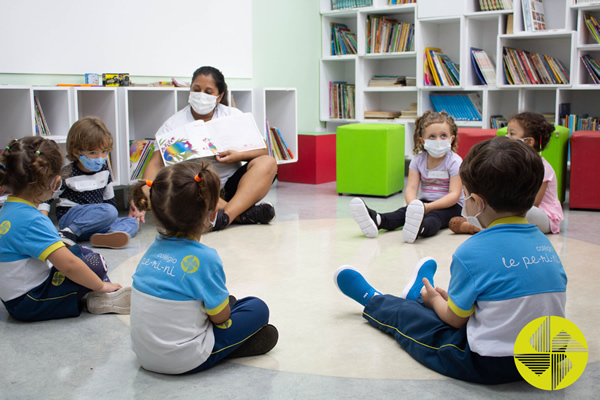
<point x="202" y="103"/>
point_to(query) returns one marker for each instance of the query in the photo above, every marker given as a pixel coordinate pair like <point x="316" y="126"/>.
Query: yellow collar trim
<point x="13" y="199"/>
<point x="508" y="220"/>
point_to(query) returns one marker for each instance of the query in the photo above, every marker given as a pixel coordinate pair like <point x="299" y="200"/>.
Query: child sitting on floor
<point x="501" y="278"/>
<point x="86" y="208"/>
<point x="182" y="317"/>
<point x="40" y="279"/>
<point x="435" y="170"/>
<point x="546" y="213"/>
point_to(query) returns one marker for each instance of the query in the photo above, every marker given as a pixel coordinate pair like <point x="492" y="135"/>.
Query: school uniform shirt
<point x="27" y="238"/>
<point x="503" y="278"/>
<point x="80" y="187"/>
<point x="435" y="183"/>
<point x="178" y="283"/>
<point x="550" y="203"/>
<point x="184" y="117"/>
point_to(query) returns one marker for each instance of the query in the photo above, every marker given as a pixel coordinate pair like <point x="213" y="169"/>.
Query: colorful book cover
<point x="204" y="139"/>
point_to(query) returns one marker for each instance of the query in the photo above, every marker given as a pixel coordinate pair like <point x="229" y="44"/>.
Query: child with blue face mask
<point x="86" y="207"/>
<point x="433" y="191"/>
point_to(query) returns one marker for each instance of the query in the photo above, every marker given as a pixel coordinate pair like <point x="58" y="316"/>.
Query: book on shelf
<point x="396" y="2"/>
<point x="41" y="126"/>
<point x="533" y="15"/>
<point x="276" y="144"/>
<point x="140" y="152"/>
<point x="204" y="139"/>
<point x="439" y="69"/>
<point x="494" y="5"/>
<point x="387" y="80"/>
<point x="387" y="35"/>
<point x="342" y="40"/>
<point x="587" y="1"/>
<point x="524" y="68"/>
<point x="484" y="68"/>
<point x="498" y="121"/>
<point x="382" y="114"/>
<point x="593" y="26"/>
<point x="341" y="100"/>
<point x="411" y="113"/>
<point x="341" y="4"/>
<point x="592" y="66"/>
<point x="411" y="81"/>
<point x="461" y="106"/>
<point x="580" y="122"/>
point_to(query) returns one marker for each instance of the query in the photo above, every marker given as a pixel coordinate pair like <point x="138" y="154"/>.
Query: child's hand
<point x="137" y="214"/>
<point x="110" y="287"/>
<point x="429" y="293"/>
<point x="442" y="292"/>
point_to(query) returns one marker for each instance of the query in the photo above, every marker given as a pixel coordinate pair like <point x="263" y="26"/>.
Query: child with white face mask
<point x="434" y="171"/>
<point x="86" y="207"/>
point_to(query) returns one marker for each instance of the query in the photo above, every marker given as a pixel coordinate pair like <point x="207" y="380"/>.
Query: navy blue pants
<point x="248" y="316"/>
<point x="57" y="297"/>
<point x="436" y="344"/>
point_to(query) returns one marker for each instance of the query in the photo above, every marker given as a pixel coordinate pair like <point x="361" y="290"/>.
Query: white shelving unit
<point x="131" y="113"/>
<point x="455" y="26"/>
<point x="279" y="107"/>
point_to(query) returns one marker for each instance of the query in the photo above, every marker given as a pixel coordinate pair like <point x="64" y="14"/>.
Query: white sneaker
<point x="114" y="302"/>
<point x="360" y="213"/>
<point x="414" y="217"/>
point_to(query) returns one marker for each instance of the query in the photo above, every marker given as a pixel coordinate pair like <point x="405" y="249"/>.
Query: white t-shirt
<point x="184" y="117"/>
<point x="435" y="183"/>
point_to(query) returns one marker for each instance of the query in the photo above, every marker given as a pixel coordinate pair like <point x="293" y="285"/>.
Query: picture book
<point x="533" y="15"/>
<point x="204" y="139"/>
<point x="140" y="152"/>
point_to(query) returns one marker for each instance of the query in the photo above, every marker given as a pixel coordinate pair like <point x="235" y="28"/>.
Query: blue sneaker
<point x="425" y="269"/>
<point x="353" y="284"/>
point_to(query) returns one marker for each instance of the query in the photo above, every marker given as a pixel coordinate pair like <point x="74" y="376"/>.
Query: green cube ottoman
<point x="556" y="153"/>
<point x="370" y="159"/>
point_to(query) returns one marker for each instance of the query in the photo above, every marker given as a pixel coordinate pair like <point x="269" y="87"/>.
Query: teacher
<point x="242" y="185"/>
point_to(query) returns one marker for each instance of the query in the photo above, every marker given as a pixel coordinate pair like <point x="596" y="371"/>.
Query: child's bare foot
<point x="460" y="225"/>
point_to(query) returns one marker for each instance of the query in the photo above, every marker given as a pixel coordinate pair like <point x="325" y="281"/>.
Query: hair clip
<point x="38" y="152"/>
<point x="198" y="178"/>
<point x="7" y="147"/>
<point x="149" y="183"/>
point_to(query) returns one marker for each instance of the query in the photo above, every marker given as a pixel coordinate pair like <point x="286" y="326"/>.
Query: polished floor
<point x="326" y="350"/>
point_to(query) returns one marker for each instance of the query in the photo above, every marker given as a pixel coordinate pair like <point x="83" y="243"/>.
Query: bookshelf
<point x="455" y="26"/>
<point x="131" y="113"/>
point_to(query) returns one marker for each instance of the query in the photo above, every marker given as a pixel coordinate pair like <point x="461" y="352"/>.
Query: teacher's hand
<point x="228" y="157"/>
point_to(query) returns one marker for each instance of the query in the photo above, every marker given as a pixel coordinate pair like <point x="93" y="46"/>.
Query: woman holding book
<point x="242" y="185"/>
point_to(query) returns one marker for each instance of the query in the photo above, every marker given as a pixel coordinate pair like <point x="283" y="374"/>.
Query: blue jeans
<point x="88" y="219"/>
<point x="435" y="344"/>
<point x="248" y="316"/>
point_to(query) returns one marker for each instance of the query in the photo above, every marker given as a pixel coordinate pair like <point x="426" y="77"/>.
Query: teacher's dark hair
<point x="217" y="76"/>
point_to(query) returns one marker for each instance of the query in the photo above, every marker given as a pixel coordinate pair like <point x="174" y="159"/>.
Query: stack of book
<point x="41" y="126"/>
<point x="341" y="100"/>
<point x="593" y="27"/>
<point x="140" y="152"/>
<point x="387" y="80"/>
<point x="462" y="107"/>
<point x="592" y="66"/>
<point x="439" y="69"/>
<point x="382" y="114"/>
<point x="492" y="5"/>
<point x="342" y="40"/>
<point x="587" y="1"/>
<point x="533" y="15"/>
<point x="386" y="35"/>
<point x="580" y="122"/>
<point x="340" y="4"/>
<point x="525" y="68"/>
<point x="276" y="144"/>
<point x="394" y="2"/>
<point x="483" y="67"/>
<point x="411" y="81"/>
<point x="498" y="121"/>
<point x="410" y="113"/>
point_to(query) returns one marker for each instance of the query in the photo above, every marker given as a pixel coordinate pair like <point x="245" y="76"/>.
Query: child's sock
<point x="425" y="268"/>
<point x="354" y="285"/>
<point x="368" y="220"/>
